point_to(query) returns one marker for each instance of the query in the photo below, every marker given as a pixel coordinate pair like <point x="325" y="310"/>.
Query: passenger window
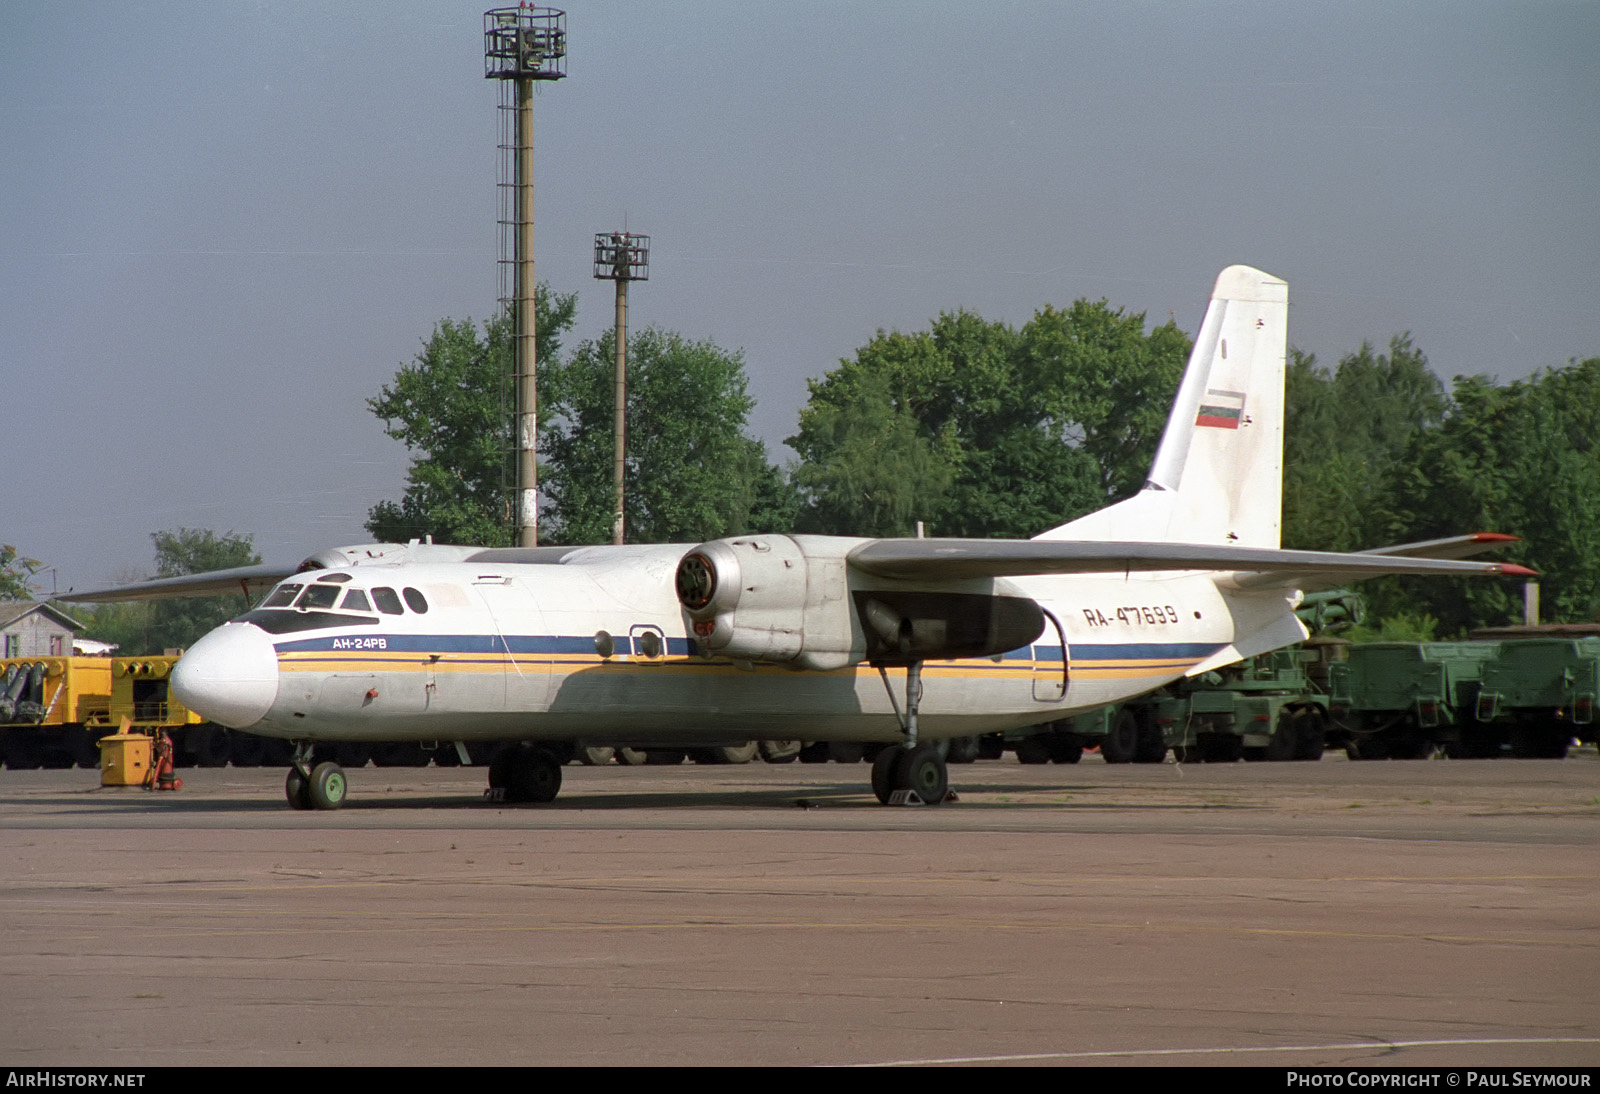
<point x="356" y="601"/>
<point x="318" y="596"/>
<point x="281" y="597"/>
<point x="388" y="603"/>
<point x="416" y="600"/>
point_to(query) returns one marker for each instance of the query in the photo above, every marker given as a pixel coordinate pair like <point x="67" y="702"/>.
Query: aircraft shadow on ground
<point x="850" y="795"/>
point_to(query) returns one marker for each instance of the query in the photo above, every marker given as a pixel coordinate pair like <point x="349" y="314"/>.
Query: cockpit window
<point x="281" y="622"/>
<point x="318" y="596"/>
<point x="386" y="600"/>
<point x="418" y="602"/>
<point x="356" y="601"/>
<point x="281" y="597"/>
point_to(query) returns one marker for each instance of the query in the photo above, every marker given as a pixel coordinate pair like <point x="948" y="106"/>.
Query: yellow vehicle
<point x="53" y="710"/>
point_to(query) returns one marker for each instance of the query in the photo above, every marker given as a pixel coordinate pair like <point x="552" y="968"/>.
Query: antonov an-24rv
<point x="819" y="638"/>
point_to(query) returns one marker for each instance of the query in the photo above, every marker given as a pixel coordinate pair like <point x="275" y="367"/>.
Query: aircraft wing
<point x="250" y="580"/>
<point x="954" y="559"/>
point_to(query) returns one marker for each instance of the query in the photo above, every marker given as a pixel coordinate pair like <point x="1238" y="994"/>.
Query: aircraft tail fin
<point x="1218" y="473"/>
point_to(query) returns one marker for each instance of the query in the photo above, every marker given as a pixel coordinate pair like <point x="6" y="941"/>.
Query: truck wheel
<point x="1121" y="745"/>
<point x="1312" y="736"/>
<point x="1285" y="736"/>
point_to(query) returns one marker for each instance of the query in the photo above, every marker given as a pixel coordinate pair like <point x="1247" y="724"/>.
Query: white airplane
<point x="901" y="642"/>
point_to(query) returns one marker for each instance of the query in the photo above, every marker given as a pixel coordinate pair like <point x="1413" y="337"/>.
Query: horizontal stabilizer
<point x="953" y="559"/>
<point x="1450" y="547"/>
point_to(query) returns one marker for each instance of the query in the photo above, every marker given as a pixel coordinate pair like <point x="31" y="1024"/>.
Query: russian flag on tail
<point x="1221" y="409"/>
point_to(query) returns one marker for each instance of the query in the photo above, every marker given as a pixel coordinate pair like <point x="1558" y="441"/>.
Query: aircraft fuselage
<point x="602" y="650"/>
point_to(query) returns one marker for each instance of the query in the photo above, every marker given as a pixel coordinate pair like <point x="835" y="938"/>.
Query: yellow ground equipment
<point x="52" y="709"/>
<point x="125" y="757"/>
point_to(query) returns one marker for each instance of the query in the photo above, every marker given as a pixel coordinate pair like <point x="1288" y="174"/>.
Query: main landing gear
<point x="910" y="773"/>
<point x="523" y="773"/>
<point x="321" y="787"/>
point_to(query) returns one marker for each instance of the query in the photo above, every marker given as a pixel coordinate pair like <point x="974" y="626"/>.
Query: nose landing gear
<point x="321" y="787"/>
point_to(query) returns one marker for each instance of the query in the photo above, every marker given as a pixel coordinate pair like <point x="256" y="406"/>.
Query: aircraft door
<point x="1051" y="661"/>
<point x="520" y="642"/>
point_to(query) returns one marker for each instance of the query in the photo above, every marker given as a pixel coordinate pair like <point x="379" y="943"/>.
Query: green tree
<point x="16" y="573"/>
<point x="1345" y="431"/>
<point x="125" y="626"/>
<point x="179" y="623"/>
<point x="691" y="473"/>
<point x="1522" y="458"/>
<point x="143" y="627"/>
<point x="1106" y="385"/>
<point x="452" y="408"/>
<point x="981" y="430"/>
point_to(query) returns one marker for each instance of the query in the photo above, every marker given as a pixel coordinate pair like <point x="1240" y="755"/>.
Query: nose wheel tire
<point x="328" y="786"/>
<point x="297" y="788"/>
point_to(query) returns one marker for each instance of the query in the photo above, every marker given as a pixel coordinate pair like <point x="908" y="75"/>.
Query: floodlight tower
<point x="621" y="257"/>
<point x="521" y="45"/>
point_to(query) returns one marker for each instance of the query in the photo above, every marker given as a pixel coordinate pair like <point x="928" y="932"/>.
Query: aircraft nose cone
<point x="230" y="676"/>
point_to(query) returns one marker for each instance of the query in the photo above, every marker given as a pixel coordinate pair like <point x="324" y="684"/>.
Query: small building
<point x="31" y="628"/>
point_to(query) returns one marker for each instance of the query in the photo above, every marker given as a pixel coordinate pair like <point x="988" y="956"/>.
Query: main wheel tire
<point x="923" y="770"/>
<point x="500" y="766"/>
<point x="596" y="755"/>
<point x="535" y="777"/>
<point x="328" y="786"/>
<point x="883" y="771"/>
<point x="632" y="757"/>
<point x="297" y="789"/>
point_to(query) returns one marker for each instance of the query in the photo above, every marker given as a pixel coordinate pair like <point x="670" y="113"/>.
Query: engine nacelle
<point x="790" y="599"/>
<point x="773" y="598"/>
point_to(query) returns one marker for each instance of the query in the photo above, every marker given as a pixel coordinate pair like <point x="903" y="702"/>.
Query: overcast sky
<point x="224" y="226"/>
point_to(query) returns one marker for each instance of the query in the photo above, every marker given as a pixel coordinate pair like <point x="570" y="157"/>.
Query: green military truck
<point x="1405" y="700"/>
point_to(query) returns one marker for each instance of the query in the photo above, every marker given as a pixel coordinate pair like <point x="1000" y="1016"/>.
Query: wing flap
<point x="956" y="559"/>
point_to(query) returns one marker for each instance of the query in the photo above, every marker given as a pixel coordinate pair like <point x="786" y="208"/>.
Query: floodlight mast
<point x="521" y="45"/>
<point x="621" y="257"/>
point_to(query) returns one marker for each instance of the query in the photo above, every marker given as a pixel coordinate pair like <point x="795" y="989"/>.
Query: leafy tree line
<point x="1378" y="451"/>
